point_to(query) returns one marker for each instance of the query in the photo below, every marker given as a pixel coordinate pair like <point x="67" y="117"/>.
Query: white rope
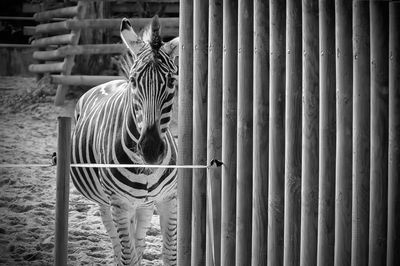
<point x="91" y="165"/>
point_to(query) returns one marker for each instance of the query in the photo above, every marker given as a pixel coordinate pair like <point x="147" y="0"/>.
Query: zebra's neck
<point x="130" y="129"/>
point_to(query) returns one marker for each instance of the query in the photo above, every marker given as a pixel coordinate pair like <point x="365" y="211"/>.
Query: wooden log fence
<point x="393" y="242"/>
<point x="244" y="133"/>
<point x="64" y="45"/>
<point x="83" y="80"/>
<point x="314" y="110"/>
<point x="200" y="63"/>
<point x="361" y="133"/>
<point x="214" y="132"/>
<point x="65" y="12"/>
<point x="327" y="134"/>
<point x="55" y="40"/>
<point x="62" y="195"/>
<point x="260" y="133"/>
<point x="80" y="50"/>
<point x="229" y="118"/>
<point x="185" y="131"/>
<point x="169" y="25"/>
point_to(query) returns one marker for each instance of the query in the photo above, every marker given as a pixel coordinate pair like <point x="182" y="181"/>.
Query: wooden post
<point x="214" y="132"/>
<point x="229" y="119"/>
<point x="244" y="133"/>
<point x="361" y="134"/>
<point x="327" y="128"/>
<point x="260" y="133"/>
<point x="62" y="196"/>
<point x="65" y="12"/>
<point x="309" y="171"/>
<point x="276" y="133"/>
<point x="185" y="129"/>
<point x="379" y="28"/>
<point x="83" y="80"/>
<point x="393" y="243"/>
<point x="54" y="40"/>
<point x="69" y="59"/>
<point x="344" y="132"/>
<point x="291" y="252"/>
<point x="200" y="36"/>
<point x="50" y="67"/>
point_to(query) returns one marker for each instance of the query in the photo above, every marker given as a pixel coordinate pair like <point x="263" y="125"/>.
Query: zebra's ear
<point x="129" y="37"/>
<point x="151" y="32"/>
<point x="172" y="49"/>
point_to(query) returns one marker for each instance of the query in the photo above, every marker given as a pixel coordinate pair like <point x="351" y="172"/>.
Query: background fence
<point x="301" y="100"/>
<point x="60" y="37"/>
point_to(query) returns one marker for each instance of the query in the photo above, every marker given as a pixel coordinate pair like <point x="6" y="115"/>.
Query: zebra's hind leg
<point x="122" y="214"/>
<point x="105" y="213"/>
<point x="167" y="209"/>
<point x="143" y="218"/>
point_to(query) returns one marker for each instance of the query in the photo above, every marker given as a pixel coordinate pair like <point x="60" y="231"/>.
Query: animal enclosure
<point x="300" y="99"/>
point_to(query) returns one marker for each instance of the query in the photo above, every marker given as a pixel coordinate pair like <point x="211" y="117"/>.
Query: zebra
<point x="127" y="122"/>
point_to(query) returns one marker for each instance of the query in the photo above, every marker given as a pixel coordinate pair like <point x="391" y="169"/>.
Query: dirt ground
<point x="28" y="135"/>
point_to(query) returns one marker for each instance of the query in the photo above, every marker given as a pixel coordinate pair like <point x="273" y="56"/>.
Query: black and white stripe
<point x="110" y="121"/>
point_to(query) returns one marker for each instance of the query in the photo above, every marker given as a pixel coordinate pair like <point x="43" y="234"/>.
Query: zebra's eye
<point x="171" y="81"/>
<point x="132" y="79"/>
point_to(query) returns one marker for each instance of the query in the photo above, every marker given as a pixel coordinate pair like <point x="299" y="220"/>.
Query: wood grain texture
<point x="62" y="187"/>
<point x="229" y="119"/>
<point x="200" y="61"/>
<point x="185" y="131"/>
<point x="327" y="129"/>
<point x="309" y="173"/>
<point x="393" y="244"/>
<point x="214" y="132"/>
<point x="361" y="133"/>
<point x="379" y="17"/>
<point x="260" y="133"/>
<point x="344" y="91"/>
<point x="291" y="254"/>
<point x="244" y="133"/>
<point x="276" y="133"/>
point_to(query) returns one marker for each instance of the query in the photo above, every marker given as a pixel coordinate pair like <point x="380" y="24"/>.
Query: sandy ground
<point x="28" y="134"/>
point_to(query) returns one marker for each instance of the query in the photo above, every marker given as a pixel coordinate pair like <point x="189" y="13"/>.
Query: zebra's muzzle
<point x="151" y="146"/>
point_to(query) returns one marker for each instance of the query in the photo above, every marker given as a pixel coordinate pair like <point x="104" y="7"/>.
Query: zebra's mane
<point x="125" y="65"/>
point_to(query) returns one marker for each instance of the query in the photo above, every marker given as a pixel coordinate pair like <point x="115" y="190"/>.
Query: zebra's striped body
<point x="126" y="122"/>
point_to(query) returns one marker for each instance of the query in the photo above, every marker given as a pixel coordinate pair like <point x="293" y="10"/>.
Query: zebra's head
<point x="152" y="79"/>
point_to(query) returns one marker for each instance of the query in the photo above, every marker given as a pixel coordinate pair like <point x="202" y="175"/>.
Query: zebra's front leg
<point x="122" y="214"/>
<point x="143" y="219"/>
<point x="105" y="213"/>
<point x="168" y="222"/>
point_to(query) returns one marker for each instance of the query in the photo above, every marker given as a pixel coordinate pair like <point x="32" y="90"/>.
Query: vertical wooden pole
<point x="327" y="128"/>
<point x="291" y="253"/>
<point x="276" y="133"/>
<point x="214" y="132"/>
<point x="379" y="131"/>
<point x="393" y="243"/>
<point x="244" y="133"/>
<point x="229" y="119"/>
<point x="62" y="188"/>
<point x="185" y="129"/>
<point x="200" y="40"/>
<point x="344" y="81"/>
<point x="361" y="133"/>
<point x="260" y="133"/>
<point x="309" y="171"/>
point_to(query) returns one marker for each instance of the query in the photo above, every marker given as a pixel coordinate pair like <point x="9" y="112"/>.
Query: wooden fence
<point x="301" y="100"/>
<point x="58" y="44"/>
